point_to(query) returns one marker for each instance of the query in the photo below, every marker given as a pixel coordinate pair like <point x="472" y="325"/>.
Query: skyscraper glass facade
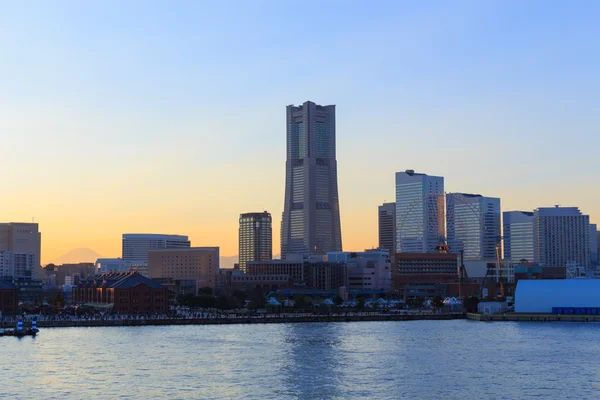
<point x="419" y="212"/>
<point x="311" y="216"/>
<point x="518" y="235"/>
<point x="255" y="238"/>
<point x="473" y="225"/>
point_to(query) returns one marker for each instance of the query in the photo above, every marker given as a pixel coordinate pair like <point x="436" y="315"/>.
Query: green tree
<point x="470" y="304"/>
<point x="437" y="302"/>
<point x="360" y="303"/>
<point x="416" y="302"/>
<point x="59" y="300"/>
<point x="222" y="303"/>
<point x="50" y="267"/>
<point x="205" y="290"/>
<point x="205" y="301"/>
<point x="337" y="300"/>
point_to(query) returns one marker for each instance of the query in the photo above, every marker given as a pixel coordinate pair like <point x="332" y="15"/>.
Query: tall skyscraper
<point x="387" y="226"/>
<point x="311" y="211"/>
<point x="518" y="235"/>
<point x="473" y="225"/>
<point x="24" y="238"/>
<point x="136" y="246"/>
<point x="561" y="236"/>
<point x="419" y="212"/>
<point x="256" y="238"/>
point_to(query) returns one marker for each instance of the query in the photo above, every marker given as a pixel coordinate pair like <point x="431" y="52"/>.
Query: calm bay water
<point x="361" y="360"/>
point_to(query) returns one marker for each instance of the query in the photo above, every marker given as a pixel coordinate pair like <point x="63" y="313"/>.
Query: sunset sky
<point x="169" y="117"/>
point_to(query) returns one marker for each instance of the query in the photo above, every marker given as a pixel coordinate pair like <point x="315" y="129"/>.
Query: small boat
<point x="19" y="331"/>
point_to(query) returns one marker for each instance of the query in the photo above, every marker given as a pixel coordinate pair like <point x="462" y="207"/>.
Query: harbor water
<point x="455" y="359"/>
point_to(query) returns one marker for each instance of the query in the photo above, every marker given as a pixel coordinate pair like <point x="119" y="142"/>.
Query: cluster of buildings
<point x="430" y="242"/>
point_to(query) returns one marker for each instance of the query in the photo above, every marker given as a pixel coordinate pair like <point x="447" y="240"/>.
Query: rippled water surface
<point x="361" y="360"/>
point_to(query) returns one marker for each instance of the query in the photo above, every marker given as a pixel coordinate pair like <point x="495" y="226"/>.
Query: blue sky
<point x="169" y="116"/>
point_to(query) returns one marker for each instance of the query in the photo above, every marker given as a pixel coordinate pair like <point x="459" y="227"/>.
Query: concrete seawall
<point x="533" y="317"/>
<point x="243" y="320"/>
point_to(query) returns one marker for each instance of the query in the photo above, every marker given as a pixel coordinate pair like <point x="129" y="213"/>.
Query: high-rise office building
<point x="194" y="266"/>
<point x="473" y="225"/>
<point x="24" y="238"/>
<point x="311" y="211"/>
<point x="16" y="265"/>
<point x="561" y="236"/>
<point x="518" y="235"/>
<point x="419" y="212"/>
<point x="136" y="246"/>
<point x="387" y="226"/>
<point x="255" y="238"/>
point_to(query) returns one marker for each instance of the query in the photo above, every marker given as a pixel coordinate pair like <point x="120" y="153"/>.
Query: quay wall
<point x="244" y="320"/>
<point x="533" y="317"/>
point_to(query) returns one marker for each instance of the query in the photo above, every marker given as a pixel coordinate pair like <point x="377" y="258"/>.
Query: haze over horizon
<point x="159" y="118"/>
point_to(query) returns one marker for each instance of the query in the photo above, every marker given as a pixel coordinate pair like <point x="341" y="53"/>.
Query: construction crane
<point x="499" y="271"/>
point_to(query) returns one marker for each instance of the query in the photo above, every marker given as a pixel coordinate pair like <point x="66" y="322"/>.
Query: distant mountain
<point x="227" y="262"/>
<point x="77" y="256"/>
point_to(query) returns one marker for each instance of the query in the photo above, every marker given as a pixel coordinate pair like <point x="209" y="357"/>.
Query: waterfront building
<point x="419" y="212"/>
<point x="255" y="238"/>
<point x="561" y="237"/>
<point x="293" y="269"/>
<point x="136" y="246"/>
<point x="387" y="226"/>
<point x="198" y="264"/>
<point x="107" y="265"/>
<point x="9" y="301"/>
<point x="310" y="273"/>
<point x="413" y="268"/>
<point x="541" y="296"/>
<point x="518" y="235"/>
<point x="311" y="212"/>
<point x="123" y="293"/>
<point x="473" y="225"/>
<point x="23" y="237"/>
<point x="15" y="265"/>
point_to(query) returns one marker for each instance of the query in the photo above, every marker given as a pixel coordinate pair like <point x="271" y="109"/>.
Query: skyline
<point x="170" y="122"/>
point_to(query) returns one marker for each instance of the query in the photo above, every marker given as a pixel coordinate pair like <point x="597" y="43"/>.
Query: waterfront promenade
<point x="224" y="319"/>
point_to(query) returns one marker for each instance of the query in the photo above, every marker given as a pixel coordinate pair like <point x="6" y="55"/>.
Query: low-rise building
<point x="108" y="265"/>
<point x="549" y="295"/>
<point x="367" y="270"/>
<point x="125" y="293"/>
<point x="424" y="268"/>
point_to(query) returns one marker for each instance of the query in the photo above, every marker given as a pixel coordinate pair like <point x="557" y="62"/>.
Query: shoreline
<point x="244" y="320"/>
<point x="532" y="317"/>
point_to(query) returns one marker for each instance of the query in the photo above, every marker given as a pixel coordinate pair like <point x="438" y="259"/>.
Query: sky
<point x="169" y="117"/>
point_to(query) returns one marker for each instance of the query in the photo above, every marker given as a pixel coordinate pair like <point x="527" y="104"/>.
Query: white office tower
<point x="561" y="236"/>
<point x="473" y="225"/>
<point x="518" y="235"/>
<point x="419" y="212"/>
<point x="137" y="246"/>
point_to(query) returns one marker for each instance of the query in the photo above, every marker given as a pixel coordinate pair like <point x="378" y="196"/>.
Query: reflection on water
<point x="382" y="360"/>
